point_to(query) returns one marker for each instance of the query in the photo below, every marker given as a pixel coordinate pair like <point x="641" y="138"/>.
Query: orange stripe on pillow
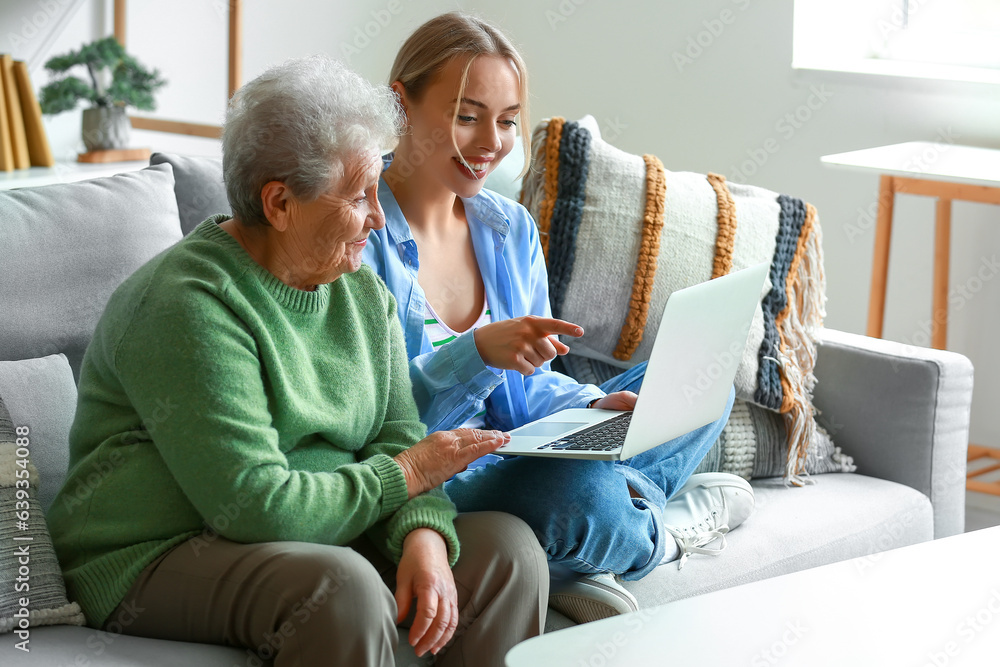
<point x="645" y="268"/>
<point x="725" y="239"/>
<point x="552" y="142"/>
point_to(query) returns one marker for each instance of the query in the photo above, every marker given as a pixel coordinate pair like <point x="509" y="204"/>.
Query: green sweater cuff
<point x="424" y="517"/>
<point x="394" y="492"/>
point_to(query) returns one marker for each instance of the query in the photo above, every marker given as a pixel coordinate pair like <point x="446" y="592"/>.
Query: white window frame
<point x="858" y="37"/>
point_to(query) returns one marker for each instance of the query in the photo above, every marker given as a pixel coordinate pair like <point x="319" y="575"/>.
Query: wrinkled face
<point x="484" y="131"/>
<point x="330" y="232"/>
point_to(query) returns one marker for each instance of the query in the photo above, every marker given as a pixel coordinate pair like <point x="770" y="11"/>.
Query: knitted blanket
<point x="620" y="233"/>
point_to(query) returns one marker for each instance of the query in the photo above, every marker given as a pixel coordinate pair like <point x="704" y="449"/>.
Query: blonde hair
<point x="456" y="35"/>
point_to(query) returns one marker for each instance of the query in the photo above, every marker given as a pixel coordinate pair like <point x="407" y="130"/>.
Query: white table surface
<point x="925" y="159"/>
<point x="931" y="604"/>
<point x="64" y="172"/>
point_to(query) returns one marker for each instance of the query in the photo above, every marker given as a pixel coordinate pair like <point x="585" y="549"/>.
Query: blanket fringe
<point x="806" y="288"/>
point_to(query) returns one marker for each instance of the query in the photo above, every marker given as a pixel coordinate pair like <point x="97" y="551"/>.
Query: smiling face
<point x="460" y="151"/>
<point x="330" y="232"/>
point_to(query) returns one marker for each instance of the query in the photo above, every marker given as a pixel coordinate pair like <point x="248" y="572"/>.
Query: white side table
<point x="941" y="170"/>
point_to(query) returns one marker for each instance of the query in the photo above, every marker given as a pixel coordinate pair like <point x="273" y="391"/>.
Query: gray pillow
<point x="25" y="545"/>
<point x="199" y="187"/>
<point x="65" y="248"/>
<point x="753" y="444"/>
<point x="41" y="394"/>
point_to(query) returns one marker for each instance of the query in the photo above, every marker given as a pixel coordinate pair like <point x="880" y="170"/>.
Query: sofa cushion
<point x="621" y="233"/>
<point x="199" y="187"/>
<point x="754" y="444"/>
<point x="843" y="516"/>
<point x="41" y="394"/>
<point x="85" y="646"/>
<point x="63" y="250"/>
<point x="32" y="592"/>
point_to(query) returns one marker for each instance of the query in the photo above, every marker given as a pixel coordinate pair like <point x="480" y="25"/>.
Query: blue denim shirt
<point x="453" y="383"/>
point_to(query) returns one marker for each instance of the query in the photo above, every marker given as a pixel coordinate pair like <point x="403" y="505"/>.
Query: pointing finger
<point x="561" y="327"/>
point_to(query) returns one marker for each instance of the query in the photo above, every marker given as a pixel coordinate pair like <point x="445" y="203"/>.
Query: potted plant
<point x="115" y="81"/>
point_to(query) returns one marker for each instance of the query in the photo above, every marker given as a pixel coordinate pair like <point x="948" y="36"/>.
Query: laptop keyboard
<point x="604" y="437"/>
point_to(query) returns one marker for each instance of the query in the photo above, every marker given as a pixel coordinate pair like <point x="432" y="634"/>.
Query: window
<point x="938" y="39"/>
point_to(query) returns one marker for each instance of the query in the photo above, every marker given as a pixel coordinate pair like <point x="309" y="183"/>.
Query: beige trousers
<point x="308" y="605"/>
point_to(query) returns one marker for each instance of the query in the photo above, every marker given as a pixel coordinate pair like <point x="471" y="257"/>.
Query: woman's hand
<point x="424" y="574"/>
<point x="433" y="460"/>
<point x="620" y="400"/>
<point x="523" y="343"/>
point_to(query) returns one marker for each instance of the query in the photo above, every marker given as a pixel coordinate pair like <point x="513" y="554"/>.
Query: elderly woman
<point x="272" y="484"/>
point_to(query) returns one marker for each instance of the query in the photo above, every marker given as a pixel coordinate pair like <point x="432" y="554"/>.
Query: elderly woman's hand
<point x="433" y="460"/>
<point x="424" y="574"/>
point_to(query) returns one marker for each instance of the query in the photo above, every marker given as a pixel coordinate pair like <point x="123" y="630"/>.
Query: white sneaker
<point x="592" y="598"/>
<point x="707" y="507"/>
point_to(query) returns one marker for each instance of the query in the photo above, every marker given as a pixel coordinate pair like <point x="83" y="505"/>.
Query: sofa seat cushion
<point x="842" y="516"/>
<point x="67" y="645"/>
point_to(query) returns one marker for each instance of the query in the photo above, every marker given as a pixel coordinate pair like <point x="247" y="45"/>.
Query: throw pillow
<point x="621" y="233"/>
<point x="32" y="592"/>
<point x="198" y="186"/>
<point x="66" y="247"/>
<point x="41" y="394"/>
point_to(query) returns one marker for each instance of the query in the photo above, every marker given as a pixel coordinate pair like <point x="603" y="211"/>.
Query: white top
<point x="927" y="160"/>
<point x="935" y="603"/>
<point x="440" y="334"/>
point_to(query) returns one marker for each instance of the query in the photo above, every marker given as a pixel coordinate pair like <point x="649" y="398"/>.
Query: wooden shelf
<point x="115" y="155"/>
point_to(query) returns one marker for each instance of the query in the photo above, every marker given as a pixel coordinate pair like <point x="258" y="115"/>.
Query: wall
<point x="708" y="86"/>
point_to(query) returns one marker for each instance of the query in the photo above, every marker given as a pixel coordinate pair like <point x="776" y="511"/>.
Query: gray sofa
<point x="901" y="412"/>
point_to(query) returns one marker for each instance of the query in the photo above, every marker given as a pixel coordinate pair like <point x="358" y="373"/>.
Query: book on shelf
<point x="39" y="151"/>
<point x="6" y="142"/>
<point x="19" y="140"/>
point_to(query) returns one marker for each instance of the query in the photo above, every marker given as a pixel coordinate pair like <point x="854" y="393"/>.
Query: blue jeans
<point x="580" y="510"/>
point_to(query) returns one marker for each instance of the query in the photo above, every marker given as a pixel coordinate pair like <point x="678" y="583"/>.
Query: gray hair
<point x="298" y="123"/>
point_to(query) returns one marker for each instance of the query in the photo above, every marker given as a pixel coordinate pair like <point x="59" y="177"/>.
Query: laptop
<point x="698" y="347"/>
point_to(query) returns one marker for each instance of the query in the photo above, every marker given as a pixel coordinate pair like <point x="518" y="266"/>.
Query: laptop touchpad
<point x="547" y="429"/>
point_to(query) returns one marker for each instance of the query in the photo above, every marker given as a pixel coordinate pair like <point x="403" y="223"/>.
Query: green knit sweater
<point x="213" y="396"/>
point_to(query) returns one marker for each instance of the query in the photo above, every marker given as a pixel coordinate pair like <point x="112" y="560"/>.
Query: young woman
<point x="466" y="268"/>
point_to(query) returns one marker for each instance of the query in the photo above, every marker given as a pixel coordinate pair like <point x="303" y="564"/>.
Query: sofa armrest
<point x="902" y="412"/>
